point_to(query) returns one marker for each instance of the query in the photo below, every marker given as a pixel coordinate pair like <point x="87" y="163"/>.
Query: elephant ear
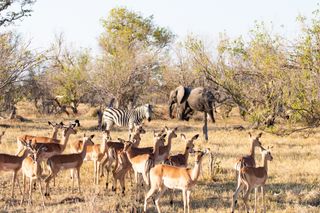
<point x="182" y="94"/>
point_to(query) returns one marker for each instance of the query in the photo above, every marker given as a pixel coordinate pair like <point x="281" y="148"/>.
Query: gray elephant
<point x="188" y="100"/>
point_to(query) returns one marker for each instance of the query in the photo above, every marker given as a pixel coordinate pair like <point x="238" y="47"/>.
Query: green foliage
<point x="132" y="50"/>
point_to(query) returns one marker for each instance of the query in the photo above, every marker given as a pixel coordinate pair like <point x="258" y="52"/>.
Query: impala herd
<point x="153" y="166"/>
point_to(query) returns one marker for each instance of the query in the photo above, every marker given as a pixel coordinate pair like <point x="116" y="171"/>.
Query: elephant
<point x="188" y="100"/>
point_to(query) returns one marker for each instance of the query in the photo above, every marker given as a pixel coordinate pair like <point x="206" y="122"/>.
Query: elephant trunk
<point x="211" y="115"/>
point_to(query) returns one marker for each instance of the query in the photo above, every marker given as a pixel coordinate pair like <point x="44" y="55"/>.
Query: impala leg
<point x="30" y="192"/>
<point x="162" y="191"/>
<point x="171" y="197"/>
<point x="235" y="196"/>
<point x="78" y="177"/>
<point x="263" y="201"/>
<point x="41" y="192"/>
<point x="14" y="177"/>
<point x="255" y="199"/>
<point x="19" y="186"/>
<point x="94" y="171"/>
<point x="245" y="198"/>
<point x="98" y="170"/>
<point x="24" y="188"/>
<point x="188" y="200"/>
<point x="184" y="195"/>
<point x="148" y="195"/>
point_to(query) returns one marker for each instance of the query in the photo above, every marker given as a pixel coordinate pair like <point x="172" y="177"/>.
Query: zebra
<point x="122" y="117"/>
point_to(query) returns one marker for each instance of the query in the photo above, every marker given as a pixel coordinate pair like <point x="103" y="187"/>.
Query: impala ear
<point x="195" y="137"/>
<point x="175" y="129"/>
<point x="250" y="135"/>
<point x="166" y="128"/>
<point x="91" y="136"/>
<point x="84" y="134"/>
<point x="259" y="135"/>
<point x="49" y="123"/>
<point x="183" y="136"/>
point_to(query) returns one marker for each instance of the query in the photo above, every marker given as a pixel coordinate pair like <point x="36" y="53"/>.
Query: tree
<point x="16" y="62"/>
<point x="132" y="49"/>
<point x="68" y="73"/>
<point x="12" y="10"/>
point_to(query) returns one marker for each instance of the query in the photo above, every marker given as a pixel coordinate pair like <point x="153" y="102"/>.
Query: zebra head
<point x="147" y="111"/>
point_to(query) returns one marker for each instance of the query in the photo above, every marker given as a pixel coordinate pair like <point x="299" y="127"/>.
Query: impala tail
<point x="146" y="175"/>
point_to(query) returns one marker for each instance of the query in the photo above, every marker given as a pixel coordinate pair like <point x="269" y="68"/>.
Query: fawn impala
<point x="55" y="148"/>
<point x="53" y="139"/>
<point x="60" y="162"/>
<point x="94" y="152"/>
<point x="252" y="177"/>
<point x="181" y="160"/>
<point x="31" y="169"/>
<point x="13" y="163"/>
<point x="138" y="160"/>
<point x="113" y="154"/>
<point x="164" y="176"/>
<point x="125" y="165"/>
<point x="163" y="154"/>
<point x="249" y="160"/>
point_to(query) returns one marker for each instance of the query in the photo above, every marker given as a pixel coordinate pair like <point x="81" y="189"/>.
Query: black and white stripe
<point x="129" y="118"/>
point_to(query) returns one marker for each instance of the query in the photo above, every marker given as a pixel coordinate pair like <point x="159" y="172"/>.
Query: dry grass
<point x="293" y="184"/>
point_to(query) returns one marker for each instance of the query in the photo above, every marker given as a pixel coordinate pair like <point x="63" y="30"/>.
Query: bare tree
<point x="12" y="10"/>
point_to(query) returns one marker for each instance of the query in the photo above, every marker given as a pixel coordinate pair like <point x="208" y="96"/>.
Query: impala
<point x="31" y="169"/>
<point x="181" y="160"/>
<point x="53" y="139"/>
<point x="163" y="154"/>
<point x="13" y="163"/>
<point x="249" y="160"/>
<point x="67" y="161"/>
<point x="94" y="152"/>
<point x="252" y="177"/>
<point x="114" y="155"/>
<point x="139" y="160"/>
<point x="164" y="176"/>
<point x="52" y="149"/>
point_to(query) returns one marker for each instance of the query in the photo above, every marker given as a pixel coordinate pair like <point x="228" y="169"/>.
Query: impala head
<point x="35" y="152"/>
<point x="68" y="130"/>
<point x="127" y="144"/>
<point x="106" y="135"/>
<point x="55" y="125"/>
<point x="189" y="142"/>
<point x="160" y="136"/>
<point x="267" y="153"/>
<point x="1" y="135"/>
<point x="255" y="140"/>
<point x="171" y="132"/>
<point x="200" y="154"/>
<point x="139" y="129"/>
<point x="88" y="139"/>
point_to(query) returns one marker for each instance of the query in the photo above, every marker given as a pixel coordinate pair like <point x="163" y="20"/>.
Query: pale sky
<point x="79" y="20"/>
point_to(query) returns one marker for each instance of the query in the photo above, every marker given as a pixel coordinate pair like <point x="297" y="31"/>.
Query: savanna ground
<point x="293" y="184"/>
